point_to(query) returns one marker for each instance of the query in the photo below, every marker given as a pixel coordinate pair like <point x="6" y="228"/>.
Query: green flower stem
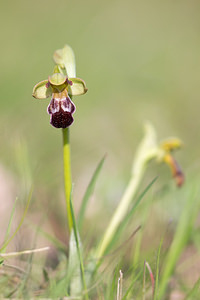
<point x="121" y="209"/>
<point x="67" y="174"/>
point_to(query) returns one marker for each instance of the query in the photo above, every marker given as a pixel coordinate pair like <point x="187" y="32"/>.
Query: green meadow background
<point x="140" y="61"/>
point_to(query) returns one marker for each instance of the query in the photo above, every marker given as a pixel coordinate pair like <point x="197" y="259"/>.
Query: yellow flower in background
<point x="168" y="146"/>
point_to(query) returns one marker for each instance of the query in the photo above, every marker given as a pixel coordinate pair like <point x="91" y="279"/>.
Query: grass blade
<point x="194" y="293"/>
<point x="130" y="288"/>
<point x="10" y="223"/>
<point x="111" y="291"/>
<point x="78" y="246"/>
<point x="55" y="241"/>
<point x="129" y="215"/>
<point x="181" y="238"/>
<point x="89" y="192"/>
<point x="20" y="223"/>
<point x="157" y="272"/>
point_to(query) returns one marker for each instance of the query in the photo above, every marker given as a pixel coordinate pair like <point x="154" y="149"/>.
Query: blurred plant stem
<point x="121" y="210"/>
<point x="67" y="174"/>
<point x="146" y="151"/>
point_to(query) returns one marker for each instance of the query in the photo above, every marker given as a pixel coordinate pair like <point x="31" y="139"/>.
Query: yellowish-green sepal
<point x="41" y="90"/>
<point x="171" y="144"/>
<point x="58" y="58"/>
<point x="65" y="59"/>
<point x="78" y="87"/>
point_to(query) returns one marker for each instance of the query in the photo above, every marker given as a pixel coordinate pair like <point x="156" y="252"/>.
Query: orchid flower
<point x="150" y="148"/>
<point x="61" y="88"/>
<point x="166" y="148"/>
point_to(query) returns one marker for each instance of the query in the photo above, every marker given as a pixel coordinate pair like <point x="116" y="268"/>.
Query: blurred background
<point x="140" y="61"/>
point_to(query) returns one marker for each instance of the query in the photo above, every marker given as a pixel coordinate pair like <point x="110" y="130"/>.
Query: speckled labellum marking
<point x="61" y="109"/>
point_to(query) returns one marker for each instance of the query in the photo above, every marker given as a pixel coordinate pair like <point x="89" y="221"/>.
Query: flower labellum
<point x="175" y="169"/>
<point x="61" y="109"/>
<point x="167" y="147"/>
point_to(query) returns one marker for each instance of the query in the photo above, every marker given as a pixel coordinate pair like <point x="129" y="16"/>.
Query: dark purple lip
<point x="61" y="109"/>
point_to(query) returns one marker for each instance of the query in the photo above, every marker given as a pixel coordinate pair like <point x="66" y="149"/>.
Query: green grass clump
<point x="118" y="273"/>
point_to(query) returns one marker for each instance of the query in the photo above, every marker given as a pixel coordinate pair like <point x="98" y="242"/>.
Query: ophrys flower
<point x="60" y="87"/>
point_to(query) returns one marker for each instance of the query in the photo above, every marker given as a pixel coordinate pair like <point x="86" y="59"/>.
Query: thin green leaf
<point x="56" y="242"/>
<point x="10" y="223"/>
<point x="111" y="293"/>
<point x="5" y="244"/>
<point x="76" y="235"/>
<point x="129" y="216"/>
<point x="132" y="285"/>
<point x="182" y="235"/>
<point x="57" y="288"/>
<point x="121" y="246"/>
<point x="194" y="292"/>
<point x="156" y="296"/>
<point x="89" y="192"/>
